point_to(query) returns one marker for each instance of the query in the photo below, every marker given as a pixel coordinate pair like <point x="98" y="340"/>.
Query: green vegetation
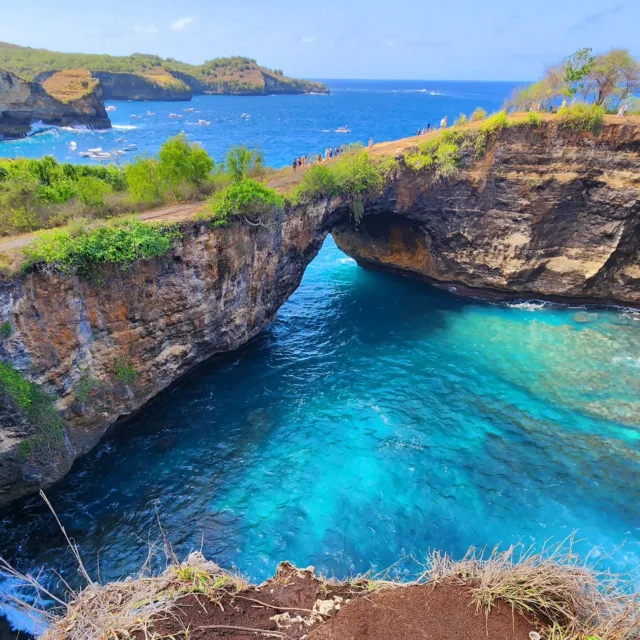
<point x="242" y="162"/>
<point x="244" y="198"/>
<point x="582" y="117"/>
<point x="534" y="119"/>
<point x="6" y="330"/>
<point x="37" y="194"/>
<point x="607" y="80"/>
<point x="355" y="176"/>
<point x="80" y="250"/>
<point x="478" y="114"/>
<point x="125" y="371"/>
<point x="85" y="385"/>
<point x="235" y="75"/>
<point x="38" y="408"/>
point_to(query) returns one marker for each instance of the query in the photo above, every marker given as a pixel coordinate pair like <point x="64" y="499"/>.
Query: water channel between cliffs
<point x="376" y="418"/>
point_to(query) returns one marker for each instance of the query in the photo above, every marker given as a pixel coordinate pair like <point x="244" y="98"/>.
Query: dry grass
<point x="67" y="86"/>
<point x="575" y="600"/>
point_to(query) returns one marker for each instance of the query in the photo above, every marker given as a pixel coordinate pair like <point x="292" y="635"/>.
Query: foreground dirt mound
<point x="298" y="606"/>
<point x="436" y="612"/>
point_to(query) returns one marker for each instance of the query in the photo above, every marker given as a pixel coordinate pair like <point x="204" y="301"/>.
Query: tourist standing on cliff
<point x="444" y="122"/>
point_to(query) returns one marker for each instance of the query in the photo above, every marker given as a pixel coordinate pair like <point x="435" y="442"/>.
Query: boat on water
<point x="130" y="147"/>
<point x="204" y="122"/>
<point x="73" y="145"/>
<point x="103" y="155"/>
<point x="111" y="108"/>
<point x="343" y="130"/>
<point x="95" y="150"/>
<point x="134" y="116"/>
<point x="85" y="154"/>
<point x="245" y="115"/>
<point x="150" y="113"/>
<point x="174" y="115"/>
<point x="121" y="139"/>
<point x="189" y="109"/>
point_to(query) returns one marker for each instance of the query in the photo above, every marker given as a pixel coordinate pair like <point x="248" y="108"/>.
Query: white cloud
<point x="148" y="30"/>
<point x="308" y="39"/>
<point x="182" y="24"/>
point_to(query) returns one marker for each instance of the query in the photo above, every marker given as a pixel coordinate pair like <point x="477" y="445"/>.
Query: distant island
<point x="149" y="77"/>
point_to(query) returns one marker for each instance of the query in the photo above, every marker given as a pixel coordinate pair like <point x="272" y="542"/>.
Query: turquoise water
<point x="376" y="418"/>
<point x="282" y="126"/>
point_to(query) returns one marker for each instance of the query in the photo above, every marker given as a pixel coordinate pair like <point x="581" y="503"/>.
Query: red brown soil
<point x="433" y="612"/>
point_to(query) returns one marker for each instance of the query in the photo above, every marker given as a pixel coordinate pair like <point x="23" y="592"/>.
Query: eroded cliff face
<point x="545" y="212"/>
<point x="23" y="103"/>
<point x="127" y="335"/>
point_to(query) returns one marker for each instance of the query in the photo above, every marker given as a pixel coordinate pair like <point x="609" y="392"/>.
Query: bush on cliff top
<point x="78" y="250"/>
<point x="582" y="117"/>
<point x="355" y="176"/>
<point x="245" y="198"/>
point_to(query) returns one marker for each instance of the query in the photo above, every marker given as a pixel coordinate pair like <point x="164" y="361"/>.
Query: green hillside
<point x="219" y="75"/>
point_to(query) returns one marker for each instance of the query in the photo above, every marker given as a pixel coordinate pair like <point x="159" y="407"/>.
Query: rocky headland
<point x="544" y="211"/>
<point x="149" y="77"/>
<point x="24" y="103"/>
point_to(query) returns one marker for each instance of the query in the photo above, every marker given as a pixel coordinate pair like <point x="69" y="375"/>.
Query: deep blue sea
<point x="281" y="126"/>
<point x="377" y="418"/>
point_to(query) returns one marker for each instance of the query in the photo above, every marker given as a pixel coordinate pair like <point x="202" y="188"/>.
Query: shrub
<point x="144" y="182"/>
<point x="489" y="129"/>
<point x="6" y="329"/>
<point x="582" y="117"/>
<point x="318" y="182"/>
<point x="247" y="198"/>
<point x="461" y="121"/>
<point x="533" y="119"/>
<point x="241" y="162"/>
<point x="478" y="115"/>
<point x="125" y="371"/>
<point x="122" y="242"/>
<point x="92" y="191"/>
<point x="441" y="153"/>
<point x="358" y="176"/>
<point x="182" y="163"/>
<point x="38" y="408"/>
<point x="85" y="385"/>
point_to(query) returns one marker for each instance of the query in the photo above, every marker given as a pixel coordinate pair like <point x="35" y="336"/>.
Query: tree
<point x="240" y="161"/>
<point x="614" y="75"/>
<point x="576" y="70"/>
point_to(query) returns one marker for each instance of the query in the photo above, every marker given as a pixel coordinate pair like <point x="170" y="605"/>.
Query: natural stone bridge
<point x="545" y="212"/>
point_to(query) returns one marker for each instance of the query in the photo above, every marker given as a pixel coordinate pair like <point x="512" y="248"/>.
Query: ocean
<point x="377" y="418"/>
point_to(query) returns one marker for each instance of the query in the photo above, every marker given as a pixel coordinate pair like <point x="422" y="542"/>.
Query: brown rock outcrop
<point x="24" y="103"/>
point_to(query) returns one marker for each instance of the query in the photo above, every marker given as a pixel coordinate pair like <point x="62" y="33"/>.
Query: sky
<point x="397" y="39"/>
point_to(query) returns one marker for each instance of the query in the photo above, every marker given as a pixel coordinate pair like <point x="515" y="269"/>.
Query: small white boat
<point x="73" y="145"/>
<point x="190" y="110"/>
<point x="121" y="140"/>
<point x="204" y="122"/>
<point x="111" y="108"/>
<point x="95" y="150"/>
<point x="174" y="115"/>
<point x="245" y="115"/>
<point x="134" y="116"/>
<point x="343" y="130"/>
<point x="85" y="154"/>
<point x="130" y="147"/>
<point x="104" y="155"/>
<point x="150" y="113"/>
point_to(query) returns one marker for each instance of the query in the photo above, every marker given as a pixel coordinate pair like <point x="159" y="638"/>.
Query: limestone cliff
<point x="23" y="103"/>
<point x="544" y="212"/>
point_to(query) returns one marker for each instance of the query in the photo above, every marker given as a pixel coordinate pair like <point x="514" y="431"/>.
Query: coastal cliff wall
<point x="23" y="103"/>
<point x="544" y="211"/>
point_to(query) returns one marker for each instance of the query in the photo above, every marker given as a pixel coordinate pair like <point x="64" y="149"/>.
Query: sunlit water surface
<point x="376" y="418"/>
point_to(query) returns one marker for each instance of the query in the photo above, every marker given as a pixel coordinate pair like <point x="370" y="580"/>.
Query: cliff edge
<point x="24" y="103"/>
